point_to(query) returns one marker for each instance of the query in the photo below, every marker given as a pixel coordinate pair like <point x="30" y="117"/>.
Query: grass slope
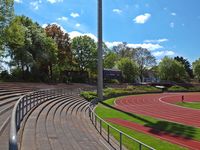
<point x="106" y="111"/>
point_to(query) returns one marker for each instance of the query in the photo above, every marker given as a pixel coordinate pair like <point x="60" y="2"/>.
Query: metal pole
<point x="100" y="53"/>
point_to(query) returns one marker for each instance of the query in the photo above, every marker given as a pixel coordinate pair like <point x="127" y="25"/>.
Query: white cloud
<point x="156" y="41"/>
<point x="62" y="18"/>
<point x="18" y="1"/>
<point x="141" y="19"/>
<point x="112" y="44"/>
<point x="117" y="11"/>
<point x="74" y="34"/>
<point x="173" y="14"/>
<point x="148" y="46"/>
<point x="163" y="53"/>
<point x="74" y="15"/>
<point x="172" y="24"/>
<point x="54" y="1"/>
<point x="78" y="25"/>
<point x="35" y="4"/>
<point x="44" y="25"/>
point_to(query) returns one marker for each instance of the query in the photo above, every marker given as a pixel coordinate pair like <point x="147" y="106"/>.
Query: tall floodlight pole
<point x="100" y="53"/>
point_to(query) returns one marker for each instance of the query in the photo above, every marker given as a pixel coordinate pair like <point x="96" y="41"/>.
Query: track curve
<point x="162" y="106"/>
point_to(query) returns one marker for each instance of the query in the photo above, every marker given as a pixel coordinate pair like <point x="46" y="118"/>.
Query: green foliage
<point x="196" y="68"/>
<point x="6" y="15"/>
<point x="177" y="88"/>
<point x="30" y="49"/>
<point x="88" y="95"/>
<point x="186" y="64"/>
<point x="172" y="70"/>
<point x="110" y="60"/>
<point x="85" y="53"/>
<point x="114" y="92"/>
<point x="5" y="76"/>
<point x="129" y="69"/>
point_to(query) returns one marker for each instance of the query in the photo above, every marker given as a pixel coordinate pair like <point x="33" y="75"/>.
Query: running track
<point x="161" y="106"/>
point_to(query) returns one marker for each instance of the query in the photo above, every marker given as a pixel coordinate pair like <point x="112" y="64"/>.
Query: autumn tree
<point x="63" y="42"/>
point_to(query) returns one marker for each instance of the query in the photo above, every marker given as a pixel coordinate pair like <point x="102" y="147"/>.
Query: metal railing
<point x="104" y="128"/>
<point x="25" y="104"/>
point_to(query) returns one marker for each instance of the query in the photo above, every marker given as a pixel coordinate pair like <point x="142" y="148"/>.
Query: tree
<point x="63" y="41"/>
<point x="110" y="60"/>
<point x="144" y="59"/>
<point x="85" y="53"/>
<point x="129" y="69"/>
<point x="196" y="68"/>
<point x="186" y="64"/>
<point x="6" y="15"/>
<point x="172" y="70"/>
<point x="30" y="48"/>
<point x="123" y="50"/>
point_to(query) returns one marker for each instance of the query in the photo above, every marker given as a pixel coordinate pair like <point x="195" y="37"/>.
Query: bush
<point x="115" y="92"/>
<point x="194" y="89"/>
<point x="89" y="95"/>
<point x="177" y="88"/>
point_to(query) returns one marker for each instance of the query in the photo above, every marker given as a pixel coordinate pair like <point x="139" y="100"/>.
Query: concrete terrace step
<point x="60" y="123"/>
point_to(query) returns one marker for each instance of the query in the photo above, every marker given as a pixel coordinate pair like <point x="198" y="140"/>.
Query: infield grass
<point x="194" y="105"/>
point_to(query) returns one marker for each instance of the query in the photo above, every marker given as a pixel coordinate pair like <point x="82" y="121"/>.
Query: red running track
<point x="161" y="106"/>
<point x="189" y="143"/>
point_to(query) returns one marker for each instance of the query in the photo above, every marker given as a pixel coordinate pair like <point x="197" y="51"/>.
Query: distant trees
<point x="196" y="69"/>
<point x="172" y="70"/>
<point x="186" y="64"/>
<point x="39" y="54"/>
<point x="129" y="69"/>
<point x="110" y="60"/>
<point x="144" y="59"/>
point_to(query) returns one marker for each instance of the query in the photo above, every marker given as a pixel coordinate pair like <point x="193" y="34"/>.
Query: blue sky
<point x="166" y="27"/>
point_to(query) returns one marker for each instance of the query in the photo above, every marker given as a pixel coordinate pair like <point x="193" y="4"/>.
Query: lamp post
<point x="100" y="53"/>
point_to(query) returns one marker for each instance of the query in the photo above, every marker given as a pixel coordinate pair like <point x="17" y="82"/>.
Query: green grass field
<point x="194" y="105"/>
<point x="106" y="111"/>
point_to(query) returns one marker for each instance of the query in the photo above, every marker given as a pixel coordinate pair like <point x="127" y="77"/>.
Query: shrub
<point x="89" y="95"/>
<point x="177" y="88"/>
<point x="115" y="92"/>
